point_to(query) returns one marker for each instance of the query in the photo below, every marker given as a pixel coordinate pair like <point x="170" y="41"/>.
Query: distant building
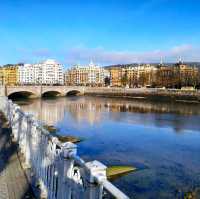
<point x="115" y="76"/>
<point x="27" y="74"/>
<point x="133" y="76"/>
<point x="147" y="75"/>
<point x="8" y="75"/>
<point x="48" y="72"/>
<point x="91" y="75"/>
<point x="1" y="76"/>
<point x="51" y="72"/>
<point x="188" y="76"/>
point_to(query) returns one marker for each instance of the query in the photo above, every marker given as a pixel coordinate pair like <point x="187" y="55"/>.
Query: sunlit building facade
<point x="48" y="72"/>
<point x="146" y="75"/>
<point x="136" y="76"/>
<point x="115" y="76"/>
<point x="27" y="74"/>
<point x="1" y="76"/>
<point x="91" y="75"/>
<point x="9" y="75"/>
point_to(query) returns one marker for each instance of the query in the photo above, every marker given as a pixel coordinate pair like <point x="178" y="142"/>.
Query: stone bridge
<point x="39" y="91"/>
<point x="154" y="93"/>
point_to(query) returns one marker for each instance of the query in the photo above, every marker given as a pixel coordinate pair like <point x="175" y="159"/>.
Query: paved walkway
<point x="13" y="182"/>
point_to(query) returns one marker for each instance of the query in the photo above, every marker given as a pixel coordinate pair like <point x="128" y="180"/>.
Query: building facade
<point x="91" y="75"/>
<point x="147" y="75"/>
<point x="135" y="76"/>
<point x="48" y="72"/>
<point x="51" y="72"/>
<point x="115" y="76"/>
<point x="8" y="75"/>
<point x="1" y="76"/>
<point x="27" y="74"/>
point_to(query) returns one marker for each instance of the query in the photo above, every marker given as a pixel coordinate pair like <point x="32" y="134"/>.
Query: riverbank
<point x="147" y="94"/>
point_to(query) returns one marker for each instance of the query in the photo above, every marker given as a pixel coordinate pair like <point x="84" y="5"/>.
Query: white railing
<point x="60" y="173"/>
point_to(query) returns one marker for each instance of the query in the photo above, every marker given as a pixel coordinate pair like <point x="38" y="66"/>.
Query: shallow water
<point x="161" y="139"/>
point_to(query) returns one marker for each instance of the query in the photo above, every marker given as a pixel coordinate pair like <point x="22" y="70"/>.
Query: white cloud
<point x="100" y="55"/>
<point x="104" y="57"/>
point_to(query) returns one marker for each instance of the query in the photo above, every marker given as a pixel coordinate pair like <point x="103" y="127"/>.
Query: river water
<point x="161" y="139"/>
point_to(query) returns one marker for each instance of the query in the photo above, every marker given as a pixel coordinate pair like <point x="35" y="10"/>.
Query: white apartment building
<point x="27" y="74"/>
<point x="96" y="74"/>
<point x="48" y="72"/>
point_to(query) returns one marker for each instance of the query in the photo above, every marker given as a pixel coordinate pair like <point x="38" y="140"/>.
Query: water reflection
<point x="162" y="139"/>
<point x="92" y="110"/>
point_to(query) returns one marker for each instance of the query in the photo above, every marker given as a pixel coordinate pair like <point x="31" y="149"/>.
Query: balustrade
<point x="60" y="173"/>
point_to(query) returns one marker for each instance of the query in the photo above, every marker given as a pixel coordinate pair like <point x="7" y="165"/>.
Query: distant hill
<point x="166" y="64"/>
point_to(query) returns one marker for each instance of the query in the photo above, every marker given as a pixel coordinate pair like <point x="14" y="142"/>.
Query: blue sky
<point x="106" y="31"/>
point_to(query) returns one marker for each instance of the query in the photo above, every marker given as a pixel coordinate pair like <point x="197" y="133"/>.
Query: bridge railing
<point x="58" y="170"/>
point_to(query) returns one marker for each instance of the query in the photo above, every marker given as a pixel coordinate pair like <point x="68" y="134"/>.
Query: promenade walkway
<point x="13" y="182"/>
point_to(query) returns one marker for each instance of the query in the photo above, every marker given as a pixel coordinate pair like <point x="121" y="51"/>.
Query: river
<point x="161" y="139"/>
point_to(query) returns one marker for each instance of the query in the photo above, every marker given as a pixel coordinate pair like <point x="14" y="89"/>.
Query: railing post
<point x="95" y="174"/>
<point x="15" y="123"/>
<point x="42" y="164"/>
<point x="68" y="150"/>
<point x="27" y="143"/>
<point x="22" y="134"/>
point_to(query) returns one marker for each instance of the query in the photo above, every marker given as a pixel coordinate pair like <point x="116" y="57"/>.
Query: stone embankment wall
<point x="152" y="94"/>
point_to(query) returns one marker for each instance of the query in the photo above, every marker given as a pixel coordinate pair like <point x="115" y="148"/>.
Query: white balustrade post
<point x="22" y="134"/>
<point x="68" y="150"/>
<point x="95" y="174"/>
<point x="42" y="152"/>
<point x="15" y="124"/>
<point x="9" y="111"/>
<point x="27" y="142"/>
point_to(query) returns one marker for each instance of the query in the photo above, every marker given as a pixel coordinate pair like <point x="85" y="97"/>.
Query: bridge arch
<point x="51" y="93"/>
<point x="73" y="93"/>
<point x="21" y="94"/>
<point x="27" y="91"/>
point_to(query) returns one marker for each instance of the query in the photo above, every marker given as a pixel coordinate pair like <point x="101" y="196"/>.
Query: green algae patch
<point x="69" y="138"/>
<point x="62" y="138"/>
<point x="114" y="172"/>
<point x="50" y="128"/>
<point x="192" y="194"/>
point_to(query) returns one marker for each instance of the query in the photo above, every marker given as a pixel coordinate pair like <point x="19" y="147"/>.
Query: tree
<point x="107" y="81"/>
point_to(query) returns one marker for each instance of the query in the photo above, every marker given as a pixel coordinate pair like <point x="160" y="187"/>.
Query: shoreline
<point x="151" y="97"/>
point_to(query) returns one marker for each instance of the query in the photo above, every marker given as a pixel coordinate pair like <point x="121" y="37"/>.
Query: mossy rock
<point x="62" y="138"/>
<point x="192" y="194"/>
<point x="114" y="172"/>
<point x="50" y="128"/>
<point x="69" y="138"/>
